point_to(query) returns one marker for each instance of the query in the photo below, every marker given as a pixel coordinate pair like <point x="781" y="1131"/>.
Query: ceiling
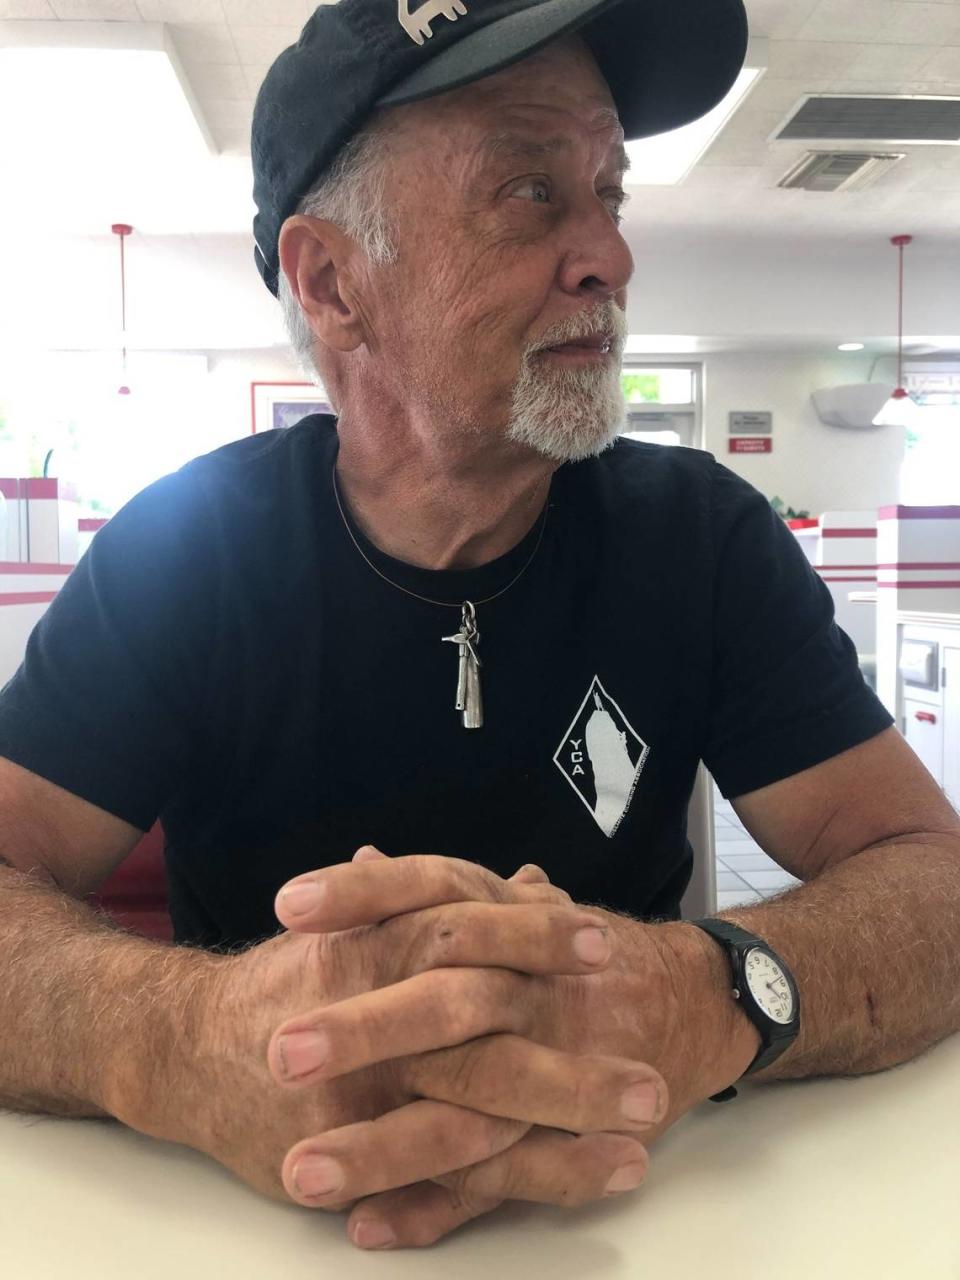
<point x="840" y="46"/>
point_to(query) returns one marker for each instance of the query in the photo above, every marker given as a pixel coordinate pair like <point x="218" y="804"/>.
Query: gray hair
<point x="350" y="195"/>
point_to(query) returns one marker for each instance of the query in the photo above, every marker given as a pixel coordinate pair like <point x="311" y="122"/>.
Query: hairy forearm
<point x="87" y="1012"/>
<point x="874" y="944"/>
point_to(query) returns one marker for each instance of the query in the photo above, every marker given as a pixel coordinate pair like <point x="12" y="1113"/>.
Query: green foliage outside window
<point x="641" y="387"/>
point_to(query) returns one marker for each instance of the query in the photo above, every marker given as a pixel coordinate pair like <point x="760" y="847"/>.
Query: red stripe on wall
<point x="10" y="488"/>
<point x="26" y="566"/>
<point x="848" y="533"/>
<point x="91" y="526"/>
<point x="863" y="579"/>
<point x="871" y="567"/>
<point x="905" y="586"/>
<point x="922" y="564"/>
<point x="919" y="513"/>
<point x="28" y="597"/>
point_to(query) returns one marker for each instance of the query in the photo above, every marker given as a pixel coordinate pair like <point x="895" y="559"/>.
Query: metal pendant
<point x="469" y="700"/>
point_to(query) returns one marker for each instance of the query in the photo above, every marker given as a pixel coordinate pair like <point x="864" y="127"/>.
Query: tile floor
<point x="745" y="874"/>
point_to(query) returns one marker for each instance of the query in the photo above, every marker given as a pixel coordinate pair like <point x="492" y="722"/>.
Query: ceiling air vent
<point x="876" y="119"/>
<point x="838" y="170"/>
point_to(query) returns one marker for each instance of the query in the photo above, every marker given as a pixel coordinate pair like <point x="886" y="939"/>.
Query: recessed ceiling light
<point x="667" y="159"/>
<point x="850" y="346"/>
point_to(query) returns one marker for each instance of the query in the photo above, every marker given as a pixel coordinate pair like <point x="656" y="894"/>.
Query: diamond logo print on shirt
<point x="602" y="757"/>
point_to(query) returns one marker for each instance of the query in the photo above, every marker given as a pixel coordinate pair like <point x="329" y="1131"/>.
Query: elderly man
<point x="463" y="625"/>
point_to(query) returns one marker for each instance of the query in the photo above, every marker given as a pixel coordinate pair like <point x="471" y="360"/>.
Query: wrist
<point x="724" y="1040"/>
<point x="153" y="1072"/>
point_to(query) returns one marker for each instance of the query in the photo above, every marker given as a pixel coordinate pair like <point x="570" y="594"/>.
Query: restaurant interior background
<point x="762" y="242"/>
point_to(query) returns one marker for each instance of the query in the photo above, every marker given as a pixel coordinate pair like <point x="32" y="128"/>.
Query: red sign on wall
<point x="751" y="444"/>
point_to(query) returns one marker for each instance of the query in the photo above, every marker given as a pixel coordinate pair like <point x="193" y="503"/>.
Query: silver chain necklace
<point x="469" y="701"/>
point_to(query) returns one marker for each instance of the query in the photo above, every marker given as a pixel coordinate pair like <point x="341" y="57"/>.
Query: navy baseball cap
<point x="667" y="62"/>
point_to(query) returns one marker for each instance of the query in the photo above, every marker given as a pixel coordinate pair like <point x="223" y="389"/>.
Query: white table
<point x="834" y="1179"/>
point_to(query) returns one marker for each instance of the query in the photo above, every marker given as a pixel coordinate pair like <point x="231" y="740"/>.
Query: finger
<point x="546" y="1167"/>
<point x="367" y="892"/>
<point x="507" y="1075"/>
<point x="432" y="1010"/>
<point x="550" y="1167"/>
<point x="368" y="853"/>
<point x="411" y="1144"/>
<point x="518" y="891"/>
<point x="410" y="1217"/>
<point x="530" y="874"/>
<point x="536" y="938"/>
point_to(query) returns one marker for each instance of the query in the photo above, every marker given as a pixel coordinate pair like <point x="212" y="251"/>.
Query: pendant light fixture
<point x="122" y="230"/>
<point x="901" y="410"/>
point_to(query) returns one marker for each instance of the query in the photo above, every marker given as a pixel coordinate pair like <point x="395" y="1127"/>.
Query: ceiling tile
<point x="96" y="10"/>
<point x="220" y="112"/>
<point x="181" y="10"/>
<point x="282" y="13"/>
<point x="256" y="75"/>
<point x="944" y="65"/>
<point x="849" y="20"/>
<point x="778" y="19"/>
<point x="801" y="59"/>
<point x="31" y="9"/>
<point x="217" y="80"/>
<point x="263" y="44"/>
<point x="895" y="61"/>
<point x="922" y="24"/>
<point x="204" y="42"/>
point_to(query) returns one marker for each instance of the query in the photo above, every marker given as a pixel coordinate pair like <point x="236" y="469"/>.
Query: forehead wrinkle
<point x="510" y="145"/>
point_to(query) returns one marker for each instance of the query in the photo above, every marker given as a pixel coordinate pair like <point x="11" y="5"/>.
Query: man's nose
<point x="598" y="262"/>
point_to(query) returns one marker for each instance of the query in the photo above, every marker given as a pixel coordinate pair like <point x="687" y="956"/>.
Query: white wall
<point x="811" y="467"/>
<point x="230" y="376"/>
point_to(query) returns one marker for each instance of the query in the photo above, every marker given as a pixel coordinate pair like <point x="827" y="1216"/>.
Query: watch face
<point x="769" y="986"/>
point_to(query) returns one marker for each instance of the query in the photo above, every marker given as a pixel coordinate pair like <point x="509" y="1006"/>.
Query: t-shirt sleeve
<point x="106" y="701"/>
<point x="787" y="689"/>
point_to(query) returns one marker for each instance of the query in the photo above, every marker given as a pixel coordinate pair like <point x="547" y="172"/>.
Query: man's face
<point x="505" y="197"/>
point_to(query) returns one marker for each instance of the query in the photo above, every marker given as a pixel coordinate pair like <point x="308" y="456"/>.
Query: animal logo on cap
<point x="417" y="25"/>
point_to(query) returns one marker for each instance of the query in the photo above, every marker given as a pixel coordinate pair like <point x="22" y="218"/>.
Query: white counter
<point x="834" y="1179"/>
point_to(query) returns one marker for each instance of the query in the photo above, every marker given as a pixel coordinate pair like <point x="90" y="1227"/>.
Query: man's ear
<point x="313" y="254"/>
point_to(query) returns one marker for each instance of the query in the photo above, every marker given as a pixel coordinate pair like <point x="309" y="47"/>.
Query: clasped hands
<point x="428" y="1040"/>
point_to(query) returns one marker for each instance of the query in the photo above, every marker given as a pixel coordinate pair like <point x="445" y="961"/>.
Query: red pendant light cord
<point x="900" y="242"/>
<point x="122" y="230"/>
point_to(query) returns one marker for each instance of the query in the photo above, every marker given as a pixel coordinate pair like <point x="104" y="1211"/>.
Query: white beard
<point x="575" y="413"/>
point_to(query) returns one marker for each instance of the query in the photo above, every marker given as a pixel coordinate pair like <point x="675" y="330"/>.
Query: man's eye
<point x="535" y="189"/>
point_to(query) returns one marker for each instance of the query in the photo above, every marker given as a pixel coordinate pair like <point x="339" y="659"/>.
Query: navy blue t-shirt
<point x="223" y="658"/>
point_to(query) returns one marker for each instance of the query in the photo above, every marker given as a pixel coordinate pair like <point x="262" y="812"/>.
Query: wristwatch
<point x="766" y="989"/>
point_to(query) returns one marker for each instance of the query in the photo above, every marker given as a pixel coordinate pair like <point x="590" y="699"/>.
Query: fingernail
<point x="626" y="1178"/>
<point x="300" y="898"/>
<point x="641" y="1102"/>
<point x="592" y="946"/>
<point x="368" y="853"/>
<point x="531" y="872"/>
<point x="373" y="1235"/>
<point x="317" y="1176"/>
<point x="302" y="1051"/>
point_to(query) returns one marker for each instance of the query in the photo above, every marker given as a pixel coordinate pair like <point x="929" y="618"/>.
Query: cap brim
<point x="667" y="62"/>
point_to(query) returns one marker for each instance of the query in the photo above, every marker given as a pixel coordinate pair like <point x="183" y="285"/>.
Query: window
<point x="663" y="404"/>
<point x="64" y="417"/>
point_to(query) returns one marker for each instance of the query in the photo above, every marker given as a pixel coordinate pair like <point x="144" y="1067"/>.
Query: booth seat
<point x="135" y="895"/>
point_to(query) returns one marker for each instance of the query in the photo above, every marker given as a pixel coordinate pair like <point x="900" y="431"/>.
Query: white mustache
<point x="608" y="322"/>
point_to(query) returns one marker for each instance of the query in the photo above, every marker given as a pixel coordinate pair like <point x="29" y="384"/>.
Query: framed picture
<point x="277" y="405"/>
